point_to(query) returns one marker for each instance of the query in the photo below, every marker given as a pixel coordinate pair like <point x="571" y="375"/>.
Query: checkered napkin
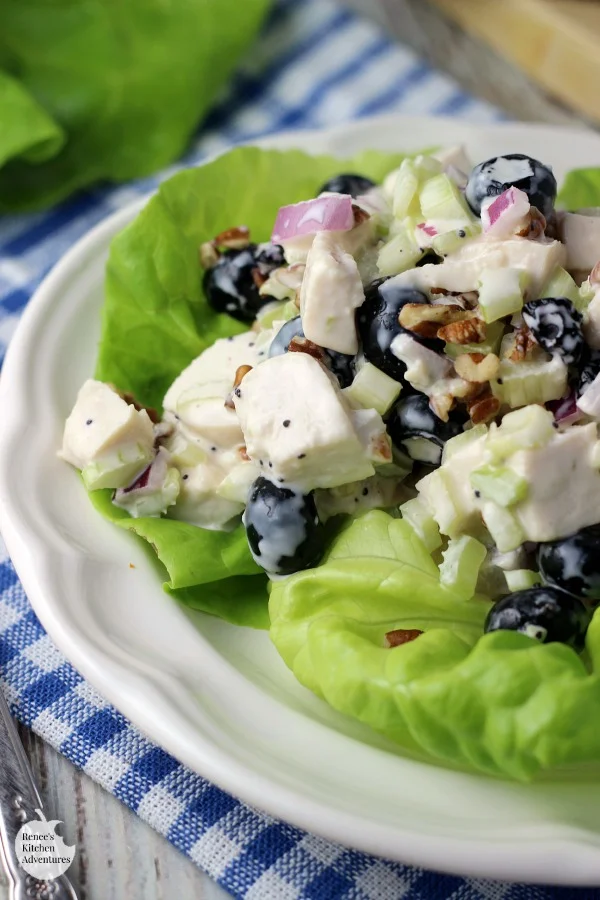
<point x="317" y="64"/>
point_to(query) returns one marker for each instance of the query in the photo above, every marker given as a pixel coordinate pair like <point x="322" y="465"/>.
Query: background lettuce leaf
<point x="212" y="571"/>
<point x="27" y="129"/>
<point x="500" y="703"/>
<point x="155" y="317"/>
<point x="155" y="320"/>
<point x="580" y="188"/>
<point x="127" y="82"/>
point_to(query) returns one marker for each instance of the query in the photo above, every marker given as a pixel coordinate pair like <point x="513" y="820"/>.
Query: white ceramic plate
<point x="216" y="696"/>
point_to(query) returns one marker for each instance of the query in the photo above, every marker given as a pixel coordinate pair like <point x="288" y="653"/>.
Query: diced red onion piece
<point x="566" y="411"/>
<point x="150" y="479"/>
<point x="428" y="229"/>
<point x="503" y="216"/>
<point x="333" y="212"/>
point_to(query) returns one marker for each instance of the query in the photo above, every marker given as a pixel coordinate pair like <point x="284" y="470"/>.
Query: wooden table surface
<point x="119" y="857"/>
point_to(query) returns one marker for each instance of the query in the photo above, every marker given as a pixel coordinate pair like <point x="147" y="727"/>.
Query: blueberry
<point x="285" y="335"/>
<point x="556" y="326"/>
<point x="377" y="324"/>
<point x="544" y="613"/>
<point x="342" y="366"/>
<point x="589" y="369"/>
<point x="339" y="363"/>
<point x="283" y="529"/>
<point x="231" y="284"/>
<point x="414" y="428"/>
<point x="573" y="563"/>
<point x="496" y="175"/>
<point x="348" y="183"/>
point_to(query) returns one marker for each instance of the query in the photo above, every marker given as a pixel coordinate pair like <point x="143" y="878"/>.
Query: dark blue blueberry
<point x="378" y="325"/>
<point x="545" y="613"/>
<point x="496" y="175"/>
<point x="556" y="326"/>
<point x="573" y="563"/>
<point x="347" y="183"/>
<point x="412" y="417"/>
<point x="231" y="285"/>
<point x="284" y="532"/>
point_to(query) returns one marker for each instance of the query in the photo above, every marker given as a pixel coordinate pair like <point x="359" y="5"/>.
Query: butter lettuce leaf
<point x="499" y="703"/>
<point x="580" y="189"/>
<point x="126" y="83"/>
<point x="212" y="571"/>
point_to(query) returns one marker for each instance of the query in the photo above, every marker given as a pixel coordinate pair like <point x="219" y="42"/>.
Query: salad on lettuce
<point x="368" y="393"/>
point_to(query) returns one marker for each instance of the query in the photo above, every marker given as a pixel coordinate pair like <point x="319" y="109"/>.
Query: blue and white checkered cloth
<point x="317" y="64"/>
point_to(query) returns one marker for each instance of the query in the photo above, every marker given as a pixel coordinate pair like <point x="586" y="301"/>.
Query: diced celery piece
<point x="500" y="292"/>
<point x="422" y="522"/>
<point x="455" y="444"/>
<point x="399" y="254"/>
<point x="461" y="563"/>
<point x="503" y="527"/>
<point x="237" y="483"/>
<point x="440" y="199"/>
<point x="530" y="381"/>
<point x="184" y="452"/>
<point x="451" y="241"/>
<point x="406" y="190"/>
<point x="560" y="284"/>
<point x="427" y="167"/>
<point x="436" y="492"/>
<point x="586" y="294"/>
<point x="373" y="389"/>
<point x="491" y="344"/>
<point x="118" y="468"/>
<point x="272" y="312"/>
<point x="521" y="579"/>
<point x="290" y="310"/>
<point x="523" y="429"/>
<point x="500" y="484"/>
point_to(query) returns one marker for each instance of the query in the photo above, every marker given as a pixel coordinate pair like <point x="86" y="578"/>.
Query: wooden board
<point x="557" y="42"/>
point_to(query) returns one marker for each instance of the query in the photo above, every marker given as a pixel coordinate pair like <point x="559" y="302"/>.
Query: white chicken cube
<point x="330" y="293"/>
<point x="106" y="437"/>
<point x="298" y="426"/>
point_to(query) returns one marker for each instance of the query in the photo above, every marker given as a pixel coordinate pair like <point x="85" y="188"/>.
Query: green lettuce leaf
<point x="212" y="571"/>
<point x="155" y="321"/>
<point x="155" y="317"/>
<point x="499" y="703"/>
<point x="127" y="82"/>
<point x="580" y="188"/>
<point x="27" y="129"/>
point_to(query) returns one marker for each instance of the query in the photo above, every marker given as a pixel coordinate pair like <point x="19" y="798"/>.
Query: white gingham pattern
<point x="315" y="65"/>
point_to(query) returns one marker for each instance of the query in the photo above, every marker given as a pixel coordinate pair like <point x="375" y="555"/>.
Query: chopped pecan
<point x="523" y="344"/>
<point x="464" y="299"/>
<point x="303" y="345"/>
<point x="243" y="453"/>
<point x="534" y="226"/>
<point x="401" y="636"/>
<point x="381" y="449"/>
<point x="477" y="367"/>
<point x="483" y="408"/>
<point x="467" y="331"/>
<point x="240" y="374"/>
<point x="425" y="319"/>
<point x="360" y="214"/>
<point x="441" y="404"/>
<point x="257" y="277"/>
<point x="231" y="239"/>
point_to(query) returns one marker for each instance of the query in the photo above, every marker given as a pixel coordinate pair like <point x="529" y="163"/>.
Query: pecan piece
<point x="523" y="344"/>
<point x="425" y="319"/>
<point x="534" y="226"/>
<point x="360" y="214"/>
<point x="303" y="345"/>
<point x="243" y="453"/>
<point x="477" y="367"/>
<point x="483" y="408"/>
<point x="240" y="374"/>
<point x="231" y="239"/>
<point x="467" y="331"/>
<point x="401" y="636"/>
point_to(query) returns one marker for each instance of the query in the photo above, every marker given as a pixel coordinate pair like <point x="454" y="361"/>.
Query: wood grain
<point x="119" y="857"/>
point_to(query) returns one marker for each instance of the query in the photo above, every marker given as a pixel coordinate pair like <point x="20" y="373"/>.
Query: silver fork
<point x="19" y="800"/>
